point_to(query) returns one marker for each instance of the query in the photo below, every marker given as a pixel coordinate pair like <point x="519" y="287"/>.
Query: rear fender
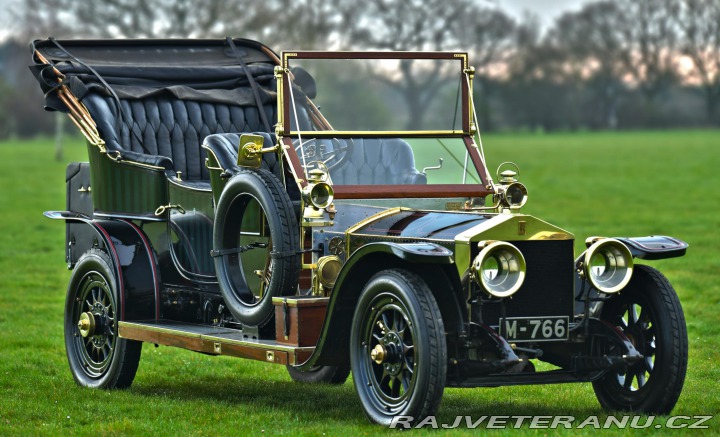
<point x="136" y="273"/>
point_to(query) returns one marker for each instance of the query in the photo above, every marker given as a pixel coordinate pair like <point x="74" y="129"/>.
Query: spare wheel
<point x="255" y="245"/>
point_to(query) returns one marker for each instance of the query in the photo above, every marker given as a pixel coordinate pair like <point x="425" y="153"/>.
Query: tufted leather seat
<point x="379" y="161"/>
<point x="176" y="133"/>
<point x="172" y="130"/>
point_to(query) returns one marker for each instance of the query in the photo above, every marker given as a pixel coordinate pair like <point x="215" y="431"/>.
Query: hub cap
<point x="390" y="346"/>
<point x="94" y="312"/>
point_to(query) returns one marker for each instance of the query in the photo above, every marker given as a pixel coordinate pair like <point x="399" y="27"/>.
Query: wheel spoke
<point x="394" y="387"/>
<point x="384" y="382"/>
<point x="409" y="366"/>
<point x="406" y="383"/>
<point x="627" y="382"/>
<point x="623" y="320"/>
<point x="385" y="321"/>
<point x="632" y="315"/>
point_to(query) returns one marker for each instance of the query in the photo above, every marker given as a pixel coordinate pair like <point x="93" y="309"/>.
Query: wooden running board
<point x="213" y="340"/>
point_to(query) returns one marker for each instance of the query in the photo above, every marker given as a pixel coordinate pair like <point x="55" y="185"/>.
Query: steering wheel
<point x="315" y="150"/>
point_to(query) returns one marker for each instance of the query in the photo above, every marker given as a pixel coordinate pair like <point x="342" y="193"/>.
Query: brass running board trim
<point x="213" y="341"/>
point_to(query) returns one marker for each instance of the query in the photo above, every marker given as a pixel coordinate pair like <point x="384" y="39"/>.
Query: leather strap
<point x="253" y="85"/>
<point x="123" y="115"/>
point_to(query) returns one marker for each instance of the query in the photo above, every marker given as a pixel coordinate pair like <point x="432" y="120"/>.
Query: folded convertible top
<point x="188" y="69"/>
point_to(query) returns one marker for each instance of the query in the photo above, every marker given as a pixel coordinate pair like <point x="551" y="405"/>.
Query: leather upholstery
<point x="379" y="161"/>
<point x="170" y="128"/>
<point x="173" y="132"/>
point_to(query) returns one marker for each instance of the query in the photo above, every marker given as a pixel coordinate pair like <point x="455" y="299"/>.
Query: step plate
<point x="213" y="340"/>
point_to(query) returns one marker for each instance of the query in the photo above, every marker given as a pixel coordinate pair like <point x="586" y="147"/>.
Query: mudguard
<point x="650" y="248"/>
<point x="332" y="347"/>
<point x="133" y="260"/>
<point x="654" y="247"/>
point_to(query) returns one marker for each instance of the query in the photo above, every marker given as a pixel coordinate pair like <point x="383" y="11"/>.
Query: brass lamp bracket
<point x="250" y="150"/>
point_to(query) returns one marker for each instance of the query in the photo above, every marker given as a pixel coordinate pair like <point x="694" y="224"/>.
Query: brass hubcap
<point x="378" y="354"/>
<point x="86" y="325"/>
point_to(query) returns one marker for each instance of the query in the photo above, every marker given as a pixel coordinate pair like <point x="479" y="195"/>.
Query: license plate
<point x="550" y="328"/>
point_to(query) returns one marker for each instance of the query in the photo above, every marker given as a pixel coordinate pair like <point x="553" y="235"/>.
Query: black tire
<point x="282" y="262"/>
<point x="335" y="375"/>
<point x="398" y="313"/>
<point x="102" y="359"/>
<point x="648" y="312"/>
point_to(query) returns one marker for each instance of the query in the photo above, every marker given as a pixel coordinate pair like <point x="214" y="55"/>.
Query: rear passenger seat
<point x="172" y="130"/>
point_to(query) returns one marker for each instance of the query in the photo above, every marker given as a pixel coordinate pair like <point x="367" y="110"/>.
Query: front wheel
<point x="398" y="351"/>
<point x="98" y="357"/>
<point x="648" y="312"/>
<point x="335" y="375"/>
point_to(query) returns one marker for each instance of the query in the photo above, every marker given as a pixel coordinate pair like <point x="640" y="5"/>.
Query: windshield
<point x="380" y="95"/>
<point x="380" y="119"/>
<point x="389" y="161"/>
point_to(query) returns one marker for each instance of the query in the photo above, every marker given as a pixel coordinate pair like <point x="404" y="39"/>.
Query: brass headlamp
<point x="499" y="268"/>
<point x="607" y="264"/>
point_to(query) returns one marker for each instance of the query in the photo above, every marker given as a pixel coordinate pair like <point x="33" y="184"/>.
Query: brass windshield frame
<point x="468" y="130"/>
<point x="284" y="103"/>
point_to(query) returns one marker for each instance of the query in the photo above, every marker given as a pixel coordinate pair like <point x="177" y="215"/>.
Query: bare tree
<point x="432" y="25"/>
<point x="699" y="22"/>
<point x="141" y="18"/>
<point x="649" y="45"/>
<point x="310" y="24"/>
<point x="283" y="24"/>
<point x="595" y="49"/>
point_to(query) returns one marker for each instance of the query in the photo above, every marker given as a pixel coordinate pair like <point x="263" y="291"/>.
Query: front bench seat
<point x="378" y="161"/>
<point x="171" y="130"/>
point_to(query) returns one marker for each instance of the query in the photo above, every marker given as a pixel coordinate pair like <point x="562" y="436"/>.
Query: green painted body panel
<point x="125" y="189"/>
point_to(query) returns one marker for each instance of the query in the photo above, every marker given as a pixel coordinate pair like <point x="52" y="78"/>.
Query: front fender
<point x="654" y="247"/>
<point x="431" y="261"/>
<point x="649" y="248"/>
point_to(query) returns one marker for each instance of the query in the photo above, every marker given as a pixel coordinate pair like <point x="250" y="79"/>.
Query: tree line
<point x="613" y="64"/>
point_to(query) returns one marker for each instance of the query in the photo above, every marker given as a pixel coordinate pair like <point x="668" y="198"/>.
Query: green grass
<point x="611" y="184"/>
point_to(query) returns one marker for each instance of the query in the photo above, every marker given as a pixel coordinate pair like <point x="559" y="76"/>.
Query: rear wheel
<point x="648" y="312"/>
<point x="398" y="350"/>
<point x="97" y="356"/>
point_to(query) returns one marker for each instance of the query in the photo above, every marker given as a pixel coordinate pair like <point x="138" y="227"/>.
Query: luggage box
<point x="299" y="319"/>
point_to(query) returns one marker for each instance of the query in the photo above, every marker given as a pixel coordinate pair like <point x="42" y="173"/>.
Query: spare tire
<point x="256" y="245"/>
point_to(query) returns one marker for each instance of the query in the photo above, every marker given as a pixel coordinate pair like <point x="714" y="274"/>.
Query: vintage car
<point x="221" y="211"/>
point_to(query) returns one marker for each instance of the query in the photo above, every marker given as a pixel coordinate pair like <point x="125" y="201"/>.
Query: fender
<point x="433" y="260"/>
<point x="649" y="248"/>
<point x="133" y="259"/>
<point x="654" y="247"/>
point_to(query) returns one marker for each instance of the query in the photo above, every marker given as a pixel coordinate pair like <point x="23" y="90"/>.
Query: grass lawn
<point x="612" y="184"/>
